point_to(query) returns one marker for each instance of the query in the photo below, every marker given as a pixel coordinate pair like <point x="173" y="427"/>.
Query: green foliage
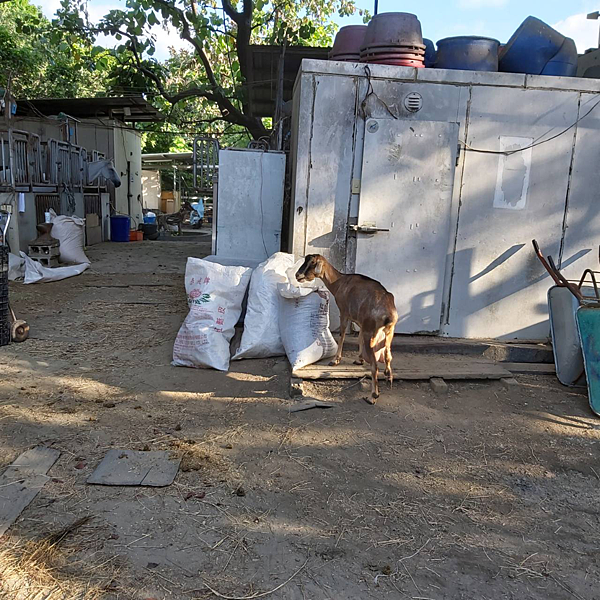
<point x="42" y="61"/>
<point x="205" y="86"/>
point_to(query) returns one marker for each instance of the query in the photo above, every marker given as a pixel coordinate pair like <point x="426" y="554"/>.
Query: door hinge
<point x="356" y="186"/>
<point x="458" y="148"/>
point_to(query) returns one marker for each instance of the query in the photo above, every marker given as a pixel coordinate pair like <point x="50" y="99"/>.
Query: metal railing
<point x="205" y="162"/>
<point x="21" y="159"/>
<point x="27" y="162"/>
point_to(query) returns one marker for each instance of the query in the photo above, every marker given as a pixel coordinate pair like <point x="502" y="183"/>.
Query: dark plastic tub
<point x="348" y="42"/>
<point x="150" y="231"/>
<point x="467" y="53"/>
<point x="119" y="228"/>
<point x="429" y="53"/>
<point x="530" y="48"/>
<point x="394" y="29"/>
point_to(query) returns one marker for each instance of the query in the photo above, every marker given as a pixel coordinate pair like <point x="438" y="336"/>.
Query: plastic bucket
<point x="119" y="228"/>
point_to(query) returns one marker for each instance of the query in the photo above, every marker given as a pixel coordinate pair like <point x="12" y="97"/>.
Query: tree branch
<point x="231" y="12"/>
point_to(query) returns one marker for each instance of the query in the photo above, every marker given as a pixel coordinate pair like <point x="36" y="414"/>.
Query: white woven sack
<point x="70" y="232"/>
<point x="215" y="294"/>
<point x="261" y="337"/>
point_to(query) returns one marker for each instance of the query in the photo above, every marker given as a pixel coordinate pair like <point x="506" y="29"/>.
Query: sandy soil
<point x="485" y="493"/>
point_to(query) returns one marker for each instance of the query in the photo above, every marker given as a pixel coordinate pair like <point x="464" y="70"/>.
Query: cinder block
<point x="438" y="385"/>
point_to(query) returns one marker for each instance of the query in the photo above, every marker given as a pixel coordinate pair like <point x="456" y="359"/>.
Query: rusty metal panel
<point x="92" y="205"/>
<point x="406" y="190"/>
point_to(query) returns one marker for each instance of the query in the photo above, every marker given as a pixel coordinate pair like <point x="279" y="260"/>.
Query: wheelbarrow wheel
<point x="19" y="331"/>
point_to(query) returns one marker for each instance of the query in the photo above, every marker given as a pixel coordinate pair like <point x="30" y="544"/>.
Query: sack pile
<point x="282" y="316"/>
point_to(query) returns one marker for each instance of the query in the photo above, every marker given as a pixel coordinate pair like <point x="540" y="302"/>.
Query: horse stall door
<point x="404" y="216"/>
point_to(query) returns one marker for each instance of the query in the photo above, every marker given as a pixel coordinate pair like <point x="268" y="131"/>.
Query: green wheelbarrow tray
<point x="588" y="326"/>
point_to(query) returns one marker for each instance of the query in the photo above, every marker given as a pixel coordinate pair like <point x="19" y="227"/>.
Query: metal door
<point x="404" y="216"/>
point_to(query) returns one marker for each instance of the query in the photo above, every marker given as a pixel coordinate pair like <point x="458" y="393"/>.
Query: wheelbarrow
<point x="19" y="329"/>
<point x="575" y="328"/>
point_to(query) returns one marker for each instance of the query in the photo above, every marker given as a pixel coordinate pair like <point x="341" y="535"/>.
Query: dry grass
<point x="202" y="458"/>
<point x="36" y="569"/>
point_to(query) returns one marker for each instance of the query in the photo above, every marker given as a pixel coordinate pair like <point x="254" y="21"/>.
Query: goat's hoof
<point x="370" y="400"/>
<point x="334" y="363"/>
<point x="359" y="361"/>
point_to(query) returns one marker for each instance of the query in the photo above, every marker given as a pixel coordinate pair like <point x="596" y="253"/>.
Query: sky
<point x="439" y="18"/>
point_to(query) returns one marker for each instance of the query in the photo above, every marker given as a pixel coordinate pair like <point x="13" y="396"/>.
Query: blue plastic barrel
<point x="530" y="48"/>
<point x="469" y="53"/>
<point x="119" y="228"/>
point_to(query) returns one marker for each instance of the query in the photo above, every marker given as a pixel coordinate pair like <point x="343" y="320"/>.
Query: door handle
<point x="366" y="228"/>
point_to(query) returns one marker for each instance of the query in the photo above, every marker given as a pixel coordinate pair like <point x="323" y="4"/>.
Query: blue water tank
<point x="564" y="62"/>
<point x="530" y="48"/>
<point x="469" y="53"/>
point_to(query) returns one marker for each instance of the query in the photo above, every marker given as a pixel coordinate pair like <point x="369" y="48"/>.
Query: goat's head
<point x="312" y="267"/>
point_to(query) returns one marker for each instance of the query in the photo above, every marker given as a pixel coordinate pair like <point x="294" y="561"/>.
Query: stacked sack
<point x="282" y="315"/>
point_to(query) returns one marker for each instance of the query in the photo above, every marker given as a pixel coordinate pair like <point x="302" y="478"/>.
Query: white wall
<point x="151" y="189"/>
<point x="128" y="149"/>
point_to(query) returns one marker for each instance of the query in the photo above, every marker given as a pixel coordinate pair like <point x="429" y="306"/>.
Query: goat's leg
<point x="389" y="336"/>
<point x="343" y="327"/>
<point x="368" y="341"/>
<point x="360" y="360"/>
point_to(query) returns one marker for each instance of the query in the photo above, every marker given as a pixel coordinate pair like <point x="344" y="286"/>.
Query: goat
<point x="363" y="301"/>
<point x="164" y="220"/>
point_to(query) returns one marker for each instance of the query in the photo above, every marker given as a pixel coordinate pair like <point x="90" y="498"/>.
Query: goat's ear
<point x="318" y="268"/>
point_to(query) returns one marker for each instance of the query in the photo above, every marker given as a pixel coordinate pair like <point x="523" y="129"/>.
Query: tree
<point x="216" y="72"/>
<point x="40" y="61"/>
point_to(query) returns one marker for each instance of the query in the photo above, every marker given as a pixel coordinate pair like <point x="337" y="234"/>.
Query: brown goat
<point x="363" y="301"/>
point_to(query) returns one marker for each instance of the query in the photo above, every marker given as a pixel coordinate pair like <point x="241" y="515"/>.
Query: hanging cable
<point x="534" y="144"/>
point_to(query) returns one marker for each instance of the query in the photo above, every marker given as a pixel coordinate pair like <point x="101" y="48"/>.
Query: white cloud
<point x="468" y="4"/>
<point x="582" y="30"/>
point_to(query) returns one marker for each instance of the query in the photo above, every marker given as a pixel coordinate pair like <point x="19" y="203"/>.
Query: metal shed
<point x="436" y="181"/>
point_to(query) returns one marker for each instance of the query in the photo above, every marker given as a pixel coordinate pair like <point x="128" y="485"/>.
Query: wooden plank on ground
<point x="414" y="367"/>
<point x="530" y="368"/>
<point x="22" y="481"/>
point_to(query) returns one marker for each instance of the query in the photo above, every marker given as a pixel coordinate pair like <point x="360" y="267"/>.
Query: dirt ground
<point x="485" y="493"/>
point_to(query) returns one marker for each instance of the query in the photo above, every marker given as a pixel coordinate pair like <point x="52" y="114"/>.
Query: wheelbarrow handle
<point x="572" y="288"/>
<point x="544" y="262"/>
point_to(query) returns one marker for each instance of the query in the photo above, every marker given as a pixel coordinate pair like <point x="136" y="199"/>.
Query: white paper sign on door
<point x="512" y="181"/>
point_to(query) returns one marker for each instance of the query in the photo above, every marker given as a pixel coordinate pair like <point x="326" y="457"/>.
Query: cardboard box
<point x="93" y="229"/>
<point x="92" y="220"/>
